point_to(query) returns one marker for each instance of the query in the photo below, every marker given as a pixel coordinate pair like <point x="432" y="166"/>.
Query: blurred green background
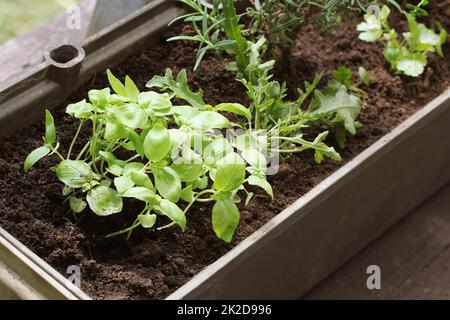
<point x="19" y="16"/>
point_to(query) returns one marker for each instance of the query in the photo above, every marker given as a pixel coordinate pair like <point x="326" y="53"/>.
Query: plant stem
<point x="135" y="224"/>
<point x="74" y="139"/>
<point x="55" y="151"/>
<point x="83" y="150"/>
<point x="118" y="233"/>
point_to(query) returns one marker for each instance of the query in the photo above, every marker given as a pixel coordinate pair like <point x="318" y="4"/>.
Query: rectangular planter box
<point x="301" y="245"/>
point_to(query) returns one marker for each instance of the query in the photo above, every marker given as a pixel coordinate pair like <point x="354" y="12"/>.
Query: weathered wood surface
<point x="414" y="257"/>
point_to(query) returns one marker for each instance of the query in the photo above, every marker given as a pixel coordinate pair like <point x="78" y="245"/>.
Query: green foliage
<point x="220" y="29"/>
<point x="173" y="154"/>
<point x="178" y="155"/>
<point x="407" y="54"/>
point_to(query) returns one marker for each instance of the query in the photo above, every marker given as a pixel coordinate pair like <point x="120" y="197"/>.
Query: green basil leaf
<point x="99" y="98"/>
<point x="188" y="172"/>
<point x="235" y="108"/>
<point x="142" y="180"/>
<point x="208" y="120"/>
<point x="116" y="85"/>
<point x="115" y="131"/>
<point x="80" y="110"/>
<point x="50" y="131"/>
<point x="133" y="167"/>
<point x="74" y="173"/>
<point x="168" y="184"/>
<point x="104" y="201"/>
<point x="66" y="191"/>
<point x="262" y="183"/>
<point x="35" y="156"/>
<point x="225" y="219"/>
<point x="189" y="167"/>
<point x="157" y="143"/>
<point x="136" y="140"/>
<point x="108" y="157"/>
<point x="200" y="183"/>
<point x="230" y="173"/>
<point x="155" y="101"/>
<point x="131" y="89"/>
<point x="140" y="193"/>
<point x="187" y="194"/>
<point x="115" y="169"/>
<point x="77" y="205"/>
<point x="174" y="213"/>
<point x="255" y="158"/>
<point x="123" y="183"/>
<point x="217" y="149"/>
<point x="131" y="115"/>
<point x="177" y="138"/>
<point x="147" y="220"/>
<point x="248" y="198"/>
<point x="183" y="114"/>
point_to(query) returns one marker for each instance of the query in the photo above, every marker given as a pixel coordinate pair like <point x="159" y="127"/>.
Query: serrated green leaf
<point x="371" y="30"/>
<point x="413" y="66"/>
<point x="337" y="109"/>
<point x="179" y="87"/>
<point x="233" y="32"/>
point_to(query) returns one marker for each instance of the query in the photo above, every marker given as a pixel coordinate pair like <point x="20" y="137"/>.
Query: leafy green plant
<point x="219" y="28"/>
<point x="407" y="55"/>
<point x="170" y="157"/>
<point x="173" y="154"/>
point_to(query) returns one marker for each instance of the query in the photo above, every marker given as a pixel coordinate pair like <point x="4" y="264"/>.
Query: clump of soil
<point x="154" y="264"/>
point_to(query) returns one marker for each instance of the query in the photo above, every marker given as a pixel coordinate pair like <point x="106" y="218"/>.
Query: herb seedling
<point x="409" y="55"/>
<point x="174" y="154"/>
<point x="219" y="29"/>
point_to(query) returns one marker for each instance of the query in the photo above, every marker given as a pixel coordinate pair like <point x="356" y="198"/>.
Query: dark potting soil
<point x="154" y="264"/>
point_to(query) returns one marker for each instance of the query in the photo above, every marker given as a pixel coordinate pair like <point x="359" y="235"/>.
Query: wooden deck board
<point x="414" y="257"/>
